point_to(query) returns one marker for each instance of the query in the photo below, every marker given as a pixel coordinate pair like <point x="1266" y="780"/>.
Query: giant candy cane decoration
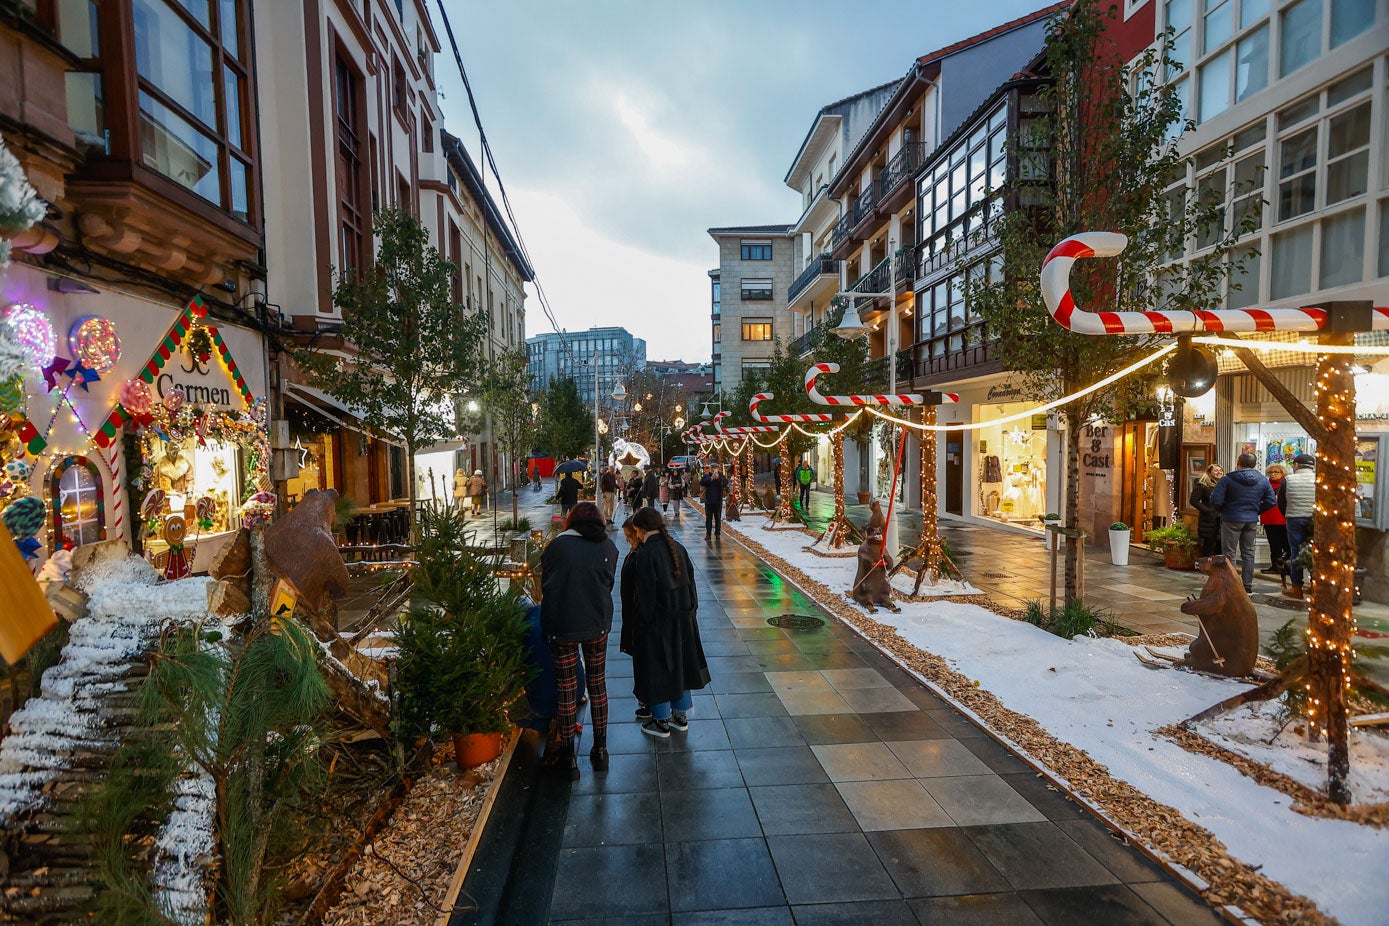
<point x="1056" y="293"/>
<point x="115" y="458"/>
<point x="783" y="419"/>
<point x="927" y="398"/>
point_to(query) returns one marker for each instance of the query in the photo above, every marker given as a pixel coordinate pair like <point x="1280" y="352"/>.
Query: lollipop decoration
<point x="135" y="398"/>
<point x="95" y="343"/>
<point x="24" y="517"/>
<point x="206" y="509"/>
<point x="174" y="399"/>
<point x="32" y="329"/>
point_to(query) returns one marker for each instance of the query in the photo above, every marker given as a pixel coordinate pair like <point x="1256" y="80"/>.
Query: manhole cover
<point x="1287" y="604"/>
<point x="796" y="622"/>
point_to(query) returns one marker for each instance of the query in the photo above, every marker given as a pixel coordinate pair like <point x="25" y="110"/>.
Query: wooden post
<point x="838" y="522"/>
<point x="1331" y="621"/>
<point x="1052" y="545"/>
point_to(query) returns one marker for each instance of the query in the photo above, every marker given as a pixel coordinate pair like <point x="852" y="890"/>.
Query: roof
<point x="751" y="230"/>
<point x="909" y="82"/>
<point x="458" y="156"/>
<point x="829" y="109"/>
<point x="1009" y="26"/>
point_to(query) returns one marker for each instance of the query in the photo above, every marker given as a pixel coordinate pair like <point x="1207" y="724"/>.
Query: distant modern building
<point x="757" y="264"/>
<point x="555" y="355"/>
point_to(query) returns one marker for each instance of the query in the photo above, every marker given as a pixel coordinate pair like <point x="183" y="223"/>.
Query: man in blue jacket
<point x="1241" y="497"/>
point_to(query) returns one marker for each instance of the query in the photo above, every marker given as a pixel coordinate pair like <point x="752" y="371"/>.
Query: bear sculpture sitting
<point x="871" y="585"/>
<point x="301" y="547"/>
<point x="1228" y="643"/>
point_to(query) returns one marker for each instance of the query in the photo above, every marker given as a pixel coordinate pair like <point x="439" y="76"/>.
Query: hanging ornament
<point x="52" y="370"/>
<point x="94" y="342"/>
<point x="18" y="470"/>
<point x="200" y="344"/>
<point x="173" y="400"/>
<point x="12" y="395"/>
<point x="135" y="398"/>
<point x="24" y="517"/>
<point x="32" y="329"/>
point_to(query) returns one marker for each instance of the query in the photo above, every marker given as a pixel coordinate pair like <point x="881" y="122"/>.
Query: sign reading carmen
<point x="200" y="385"/>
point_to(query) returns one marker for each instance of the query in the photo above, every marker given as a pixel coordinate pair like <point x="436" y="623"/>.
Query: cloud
<point x="593" y="280"/>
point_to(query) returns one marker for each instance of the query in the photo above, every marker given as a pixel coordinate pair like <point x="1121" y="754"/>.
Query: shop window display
<point x="79" y="510"/>
<point x="1012" y="466"/>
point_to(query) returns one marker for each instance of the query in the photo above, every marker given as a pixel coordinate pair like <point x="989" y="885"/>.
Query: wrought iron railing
<point x="906" y="264"/>
<point x="801" y="345"/>
<point x="875" y="280"/>
<point x="842" y="228"/>
<point x="817" y="266"/>
<point x="903" y="164"/>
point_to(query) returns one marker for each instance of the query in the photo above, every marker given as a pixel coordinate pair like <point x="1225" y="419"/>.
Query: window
<point x="757" y="250"/>
<point x="427" y="135"/>
<point x="957" y="197"/>
<point x="1292" y="263"/>
<point x="400" y="90"/>
<point x="1349" y="18"/>
<point x="78" y="507"/>
<point x="192" y="98"/>
<point x="352" y="207"/>
<point x="1301" y="36"/>
<point x="1343" y="248"/>
<point x="756" y="290"/>
<point x="757" y="329"/>
<point x="754" y="369"/>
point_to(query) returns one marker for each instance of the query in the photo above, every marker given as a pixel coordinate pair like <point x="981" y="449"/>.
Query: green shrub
<point x="1074" y="619"/>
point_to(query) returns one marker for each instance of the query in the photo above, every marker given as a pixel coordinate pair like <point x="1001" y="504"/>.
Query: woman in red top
<point x="1276" y="526"/>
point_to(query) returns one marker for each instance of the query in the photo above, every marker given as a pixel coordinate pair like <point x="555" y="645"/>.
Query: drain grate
<point x="1286" y="604"/>
<point x="796" y="622"/>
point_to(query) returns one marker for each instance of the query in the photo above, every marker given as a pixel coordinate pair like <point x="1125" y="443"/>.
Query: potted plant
<point x="1119" y="536"/>
<point x="1176" y="544"/>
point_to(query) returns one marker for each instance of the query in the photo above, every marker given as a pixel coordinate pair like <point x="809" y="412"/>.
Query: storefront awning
<point x="332" y="409"/>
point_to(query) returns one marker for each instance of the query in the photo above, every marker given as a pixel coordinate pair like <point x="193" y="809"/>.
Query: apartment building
<point x="1291" y="104"/>
<point x="134" y="120"/>
<point x="757" y="264"/>
<point x="612" y="352"/>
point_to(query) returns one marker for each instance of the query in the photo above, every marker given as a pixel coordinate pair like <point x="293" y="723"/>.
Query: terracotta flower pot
<point x="1178" y="557"/>
<point x="865" y="497"/>
<point x="473" y="749"/>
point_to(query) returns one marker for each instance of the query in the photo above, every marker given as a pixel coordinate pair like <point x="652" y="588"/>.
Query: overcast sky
<point x="624" y="129"/>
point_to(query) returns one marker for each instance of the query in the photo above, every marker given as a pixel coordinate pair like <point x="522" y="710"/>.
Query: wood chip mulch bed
<point x="1156" y="827"/>
<point x="1306" y="801"/>
<point x="404" y="875"/>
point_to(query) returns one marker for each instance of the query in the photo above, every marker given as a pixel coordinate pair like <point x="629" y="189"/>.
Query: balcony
<point x="893" y="187"/>
<point x="875" y="280"/>
<point x="857" y="213"/>
<point x="821" y="271"/>
<point x="801" y="346"/>
<point x="905" y="262"/>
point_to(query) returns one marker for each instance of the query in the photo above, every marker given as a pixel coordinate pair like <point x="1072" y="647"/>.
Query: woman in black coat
<point x="576" y="612"/>
<point x="660" y="613"/>
<point x="1208" y="519"/>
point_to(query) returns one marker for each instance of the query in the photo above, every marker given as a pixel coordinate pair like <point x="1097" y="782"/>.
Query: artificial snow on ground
<point x="838" y="571"/>
<point x="1095" y="695"/>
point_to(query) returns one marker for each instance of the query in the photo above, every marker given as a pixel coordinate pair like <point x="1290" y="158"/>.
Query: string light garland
<point x="94" y="341"/>
<point x="1297" y="347"/>
<point x="783" y="508"/>
<point x="33" y="331"/>
<point x="839" y="524"/>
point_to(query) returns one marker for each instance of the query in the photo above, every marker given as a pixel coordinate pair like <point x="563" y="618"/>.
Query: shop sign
<point x="1097" y="456"/>
<point x="1005" y="391"/>
<point x="200" y="385"/>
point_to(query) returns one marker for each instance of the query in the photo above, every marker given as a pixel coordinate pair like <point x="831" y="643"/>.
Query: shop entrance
<point x="1147" y="496"/>
<point x="955" y="474"/>
<point x="1013" y="465"/>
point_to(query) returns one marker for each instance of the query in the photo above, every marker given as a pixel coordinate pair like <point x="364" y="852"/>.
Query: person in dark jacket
<point x="667" y="657"/>
<point x="651" y="489"/>
<point x="607" y="485"/>
<point x="568" y="493"/>
<point x="576" y="612"/>
<point x="624" y="639"/>
<point x="715" y="484"/>
<point x="1208" y="516"/>
<point x="634" y="488"/>
<point x="1241" y="497"/>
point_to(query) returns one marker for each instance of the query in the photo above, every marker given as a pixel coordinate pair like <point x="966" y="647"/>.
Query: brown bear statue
<point x="302" y="549"/>
<point x="871" y="586"/>
<point x="1228" y="643"/>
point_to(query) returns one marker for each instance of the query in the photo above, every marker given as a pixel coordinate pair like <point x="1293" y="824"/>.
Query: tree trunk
<point x="1075" y="546"/>
<point x="783" y="508"/>
<point x="840" y="536"/>
<point x="747" y="473"/>
<point x="1330" y="621"/>
<point x="930" y="533"/>
<point x="411" y="491"/>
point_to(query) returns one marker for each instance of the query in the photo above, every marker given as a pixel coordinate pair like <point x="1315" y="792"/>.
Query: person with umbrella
<point x="568" y="492"/>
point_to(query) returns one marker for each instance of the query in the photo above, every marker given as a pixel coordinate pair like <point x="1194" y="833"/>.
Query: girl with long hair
<point x="660" y="613"/>
<point x="576" y="613"/>
<point x="1208" y="519"/>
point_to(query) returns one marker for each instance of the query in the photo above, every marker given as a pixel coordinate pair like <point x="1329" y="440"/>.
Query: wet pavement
<point x="818" y="783"/>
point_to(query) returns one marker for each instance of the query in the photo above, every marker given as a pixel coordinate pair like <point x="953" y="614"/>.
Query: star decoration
<point x="53" y="370"/>
<point x="82" y="375"/>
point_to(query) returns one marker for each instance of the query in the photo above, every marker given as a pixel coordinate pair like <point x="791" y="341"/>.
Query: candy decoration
<point x="115" y="460"/>
<point x="24" y="517"/>
<point x="1056" y="293"/>
<point x="52" y="370"/>
<point x="206" y="508"/>
<point x="176" y="564"/>
<point x="32" y="329"/>
<point x="783" y="419"/>
<point x="18" y="470"/>
<point x="174" y="399"/>
<point x="927" y="398"/>
<point x="12" y="395"/>
<point x="81" y="375"/>
<point x="34" y="443"/>
<point x="230" y="363"/>
<point x="94" y="342"/>
<point x="135" y="396"/>
<point x="152" y="505"/>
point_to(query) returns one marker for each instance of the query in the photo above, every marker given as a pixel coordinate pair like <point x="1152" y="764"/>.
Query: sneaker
<point x="679" y="722"/>
<point x="643" y="713"/>
<point x="657" y="728"/>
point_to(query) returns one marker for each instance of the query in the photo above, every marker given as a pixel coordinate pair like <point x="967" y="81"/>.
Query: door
<point x="954" y="475"/>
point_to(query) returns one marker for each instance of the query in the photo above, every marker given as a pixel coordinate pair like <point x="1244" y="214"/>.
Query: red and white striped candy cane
<point x="1056" y="293"/>
<point x="115" y="458"/>
<point x="928" y="398"/>
<point x="783" y="419"/>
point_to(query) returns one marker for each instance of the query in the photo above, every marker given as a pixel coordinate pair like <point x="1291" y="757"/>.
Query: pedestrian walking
<point x="668" y="662"/>
<point x="1297" y="500"/>
<point x="804" y="476"/>
<point x="714" y="484"/>
<point x="634" y="490"/>
<point x="577" y="572"/>
<point x="1208" y="516"/>
<point x="651" y="488"/>
<point x="1241" y="497"/>
<point x="677" y="489"/>
<point x="568" y="493"/>
<point x="477" y="488"/>
<point x="1275" y="526"/>
<point x="664" y="492"/>
<point x="625" y="588"/>
<point x="607" y="485"/>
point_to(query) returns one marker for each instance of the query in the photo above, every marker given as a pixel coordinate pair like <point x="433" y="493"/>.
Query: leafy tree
<point x="414" y="347"/>
<point x="504" y="397"/>
<point x="566" y="423"/>
<point x="1103" y="160"/>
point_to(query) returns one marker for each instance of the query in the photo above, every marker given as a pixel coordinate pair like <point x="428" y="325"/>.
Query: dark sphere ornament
<point x="1192" y="370"/>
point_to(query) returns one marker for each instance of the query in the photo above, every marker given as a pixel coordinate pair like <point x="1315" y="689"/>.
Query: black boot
<point x="561" y="762"/>
<point x="598" y="755"/>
